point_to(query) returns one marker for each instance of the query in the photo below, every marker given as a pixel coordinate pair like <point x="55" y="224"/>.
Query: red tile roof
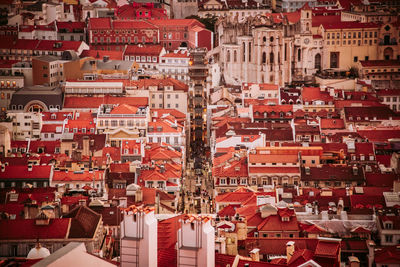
<point x="310" y="94"/>
<point x="133" y="24"/>
<point x="151" y="50"/>
<point x="388" y="92"/>
<point x="27" y="229"/>
<point x="124" y="109"/>
<point x="273" y="223"/>
<point x="100" y="54"/>
<point x="332" y="124"/>
<point x="235" y="169"/>
<point x="167" y="232"/>
<point x="387" y="255"/>
<point x="99" y="23"/>
<point x="85" y="176"/>
<point x="327" y="249"/>
<point x="95" y="102"/>
<point x="349" y="25"/>
<point x="70" y="26"/>
<point x="379" y="135"/>
<point x="21" y="172"/>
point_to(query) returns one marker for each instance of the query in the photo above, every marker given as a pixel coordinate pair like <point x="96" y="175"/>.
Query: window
<point x="222" y="181"/>
<point x="388" y="238"/>
<point x="334" y="60"/>
<point x="355" y="59"/>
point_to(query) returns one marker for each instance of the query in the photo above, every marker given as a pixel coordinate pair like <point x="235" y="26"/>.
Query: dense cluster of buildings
<point x="280" y="127"/>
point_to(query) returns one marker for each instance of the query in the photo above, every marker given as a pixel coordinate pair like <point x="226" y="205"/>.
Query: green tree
<point x="209" y="21"/>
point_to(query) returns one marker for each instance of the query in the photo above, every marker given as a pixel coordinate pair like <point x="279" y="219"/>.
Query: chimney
<point x="289" y="250"/>
<point x="371" y="252"/>
<point x="354" y="261"/>
<point x="196" y="245"/>
<point x="85" y="151"/>
<point x="255" y="254"/>
<point x="139" y="237"/>
<point x="123" y="202"/>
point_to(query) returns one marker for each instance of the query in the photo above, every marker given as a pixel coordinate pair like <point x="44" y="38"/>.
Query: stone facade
<point x="267" y="49"/>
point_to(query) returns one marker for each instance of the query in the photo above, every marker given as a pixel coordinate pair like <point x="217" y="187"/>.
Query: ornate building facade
<point x="275" y="48"/>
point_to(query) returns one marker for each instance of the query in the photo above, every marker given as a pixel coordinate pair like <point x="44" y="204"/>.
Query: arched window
<point x="249" y="52"/>
<point x="271" y="58"/>
<point x="264" y="39"/>
<point x="228" y="56"/>
<point x="298" y="54"/>
<point x="234" y="56"/>
<point x="307" y="25"/>
<point x="264" y="58"/>
<point x="244" y="51"/>
<point x="317" y="62"/>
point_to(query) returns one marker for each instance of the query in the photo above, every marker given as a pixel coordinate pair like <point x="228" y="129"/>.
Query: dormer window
<point x="388" y="225"/>
<point x="159" y="129"/>
<point x="53" y="116"/>
<point x="237" y="168"/>
<point x="126" y="151"/>
<point x="285" y="219"/>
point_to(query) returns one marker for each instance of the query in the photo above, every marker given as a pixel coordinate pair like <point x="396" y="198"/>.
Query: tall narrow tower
<point x="198" y="72"/>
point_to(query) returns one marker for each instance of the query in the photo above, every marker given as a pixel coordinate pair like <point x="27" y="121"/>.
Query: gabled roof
<point x="84" y="222"/>
<point x="327" y="249"/>
<point x="124" y="109"/>
<point x="234" y="169"/>
<point x="160" y="127"/>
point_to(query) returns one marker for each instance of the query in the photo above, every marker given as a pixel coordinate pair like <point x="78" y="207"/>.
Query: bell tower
<point x="306" y="18"/>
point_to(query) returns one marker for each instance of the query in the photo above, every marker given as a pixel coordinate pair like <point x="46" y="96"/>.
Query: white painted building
<point x="26" y="125"/>
<point x="93" y="87"/>
<point x="139" y="239"/>
<point x="175" y="65"/>
<point x="196" y="242"/>
<point x="250" y="142"/>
